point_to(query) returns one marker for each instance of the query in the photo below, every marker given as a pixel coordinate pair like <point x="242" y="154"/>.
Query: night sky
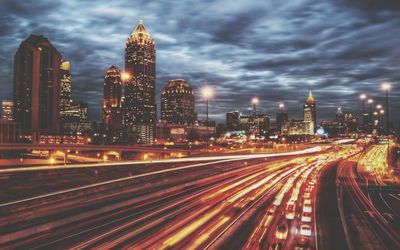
<point x="272" y="49"/>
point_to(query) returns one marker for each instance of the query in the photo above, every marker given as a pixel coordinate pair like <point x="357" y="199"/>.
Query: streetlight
<point x="363" y="97"/>
<point x="254" y="101"/>
<point x="386" y="87"/>
<point x="207" y="92"/>
<point x="125" y="76"/>
<point x="370" y="102"/>
<point x="281" y="106"/>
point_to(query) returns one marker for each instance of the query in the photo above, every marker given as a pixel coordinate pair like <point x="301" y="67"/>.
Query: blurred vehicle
<point x="290" y="211"/>
<point x="281" y="231"/>
<point x="305" y="230"/>
<point x="302" y="241"/>
<point x="271" y="210"/>
<point x="307" y="206"/>
<point x="307" y="195"/>
<point x="306" y="217"/>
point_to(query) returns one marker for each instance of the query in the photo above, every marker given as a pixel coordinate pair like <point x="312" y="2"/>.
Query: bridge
<point x="85" y="147"/>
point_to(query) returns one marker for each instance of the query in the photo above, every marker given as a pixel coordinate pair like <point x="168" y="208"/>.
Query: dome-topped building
<point x="177" y="103"/>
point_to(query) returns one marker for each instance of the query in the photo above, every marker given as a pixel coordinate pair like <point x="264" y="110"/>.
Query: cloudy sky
<point x="272" y="49"/>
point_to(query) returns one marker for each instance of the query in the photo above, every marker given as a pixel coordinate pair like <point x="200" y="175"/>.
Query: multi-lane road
<point x="301" y="201"/>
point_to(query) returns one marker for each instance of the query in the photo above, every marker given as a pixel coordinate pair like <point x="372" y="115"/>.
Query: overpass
<point x="85" y="147"/>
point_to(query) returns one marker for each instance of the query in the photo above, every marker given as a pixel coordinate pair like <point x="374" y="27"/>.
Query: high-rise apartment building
<point x="112" y="112"/>
<point x="139" y="103"/>
<point x="37" y="86"/>
<point x="177" y="103"/>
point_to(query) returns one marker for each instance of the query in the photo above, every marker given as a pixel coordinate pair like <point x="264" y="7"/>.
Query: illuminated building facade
<point x="177" y="103"/>
<point x="139" y="104"/>
<point x="112" y="112"/>
<point x="7" y="107"/>
<point x="310" y="115"/>
<point x="37" y="86"/>
<point x="65" y="86"/>
<point x="256" y="124"/>
<point x="296" y="127"/>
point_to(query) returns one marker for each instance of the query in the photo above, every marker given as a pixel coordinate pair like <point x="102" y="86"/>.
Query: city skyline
<point x="335" y="84"/>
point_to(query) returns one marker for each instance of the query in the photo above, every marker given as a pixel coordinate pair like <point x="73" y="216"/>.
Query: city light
<point x="207" y="92"/>
<point x="125" y="76"/>
<point x="254" y="100"/>
<point x="386" y="86"/>
<point x="151" y="170"/>
<point x="52" y="160"/>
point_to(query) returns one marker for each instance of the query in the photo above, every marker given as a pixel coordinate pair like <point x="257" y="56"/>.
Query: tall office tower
<point x="232" y="120"/>
<point x="65" y="85"/>
<point x="139" y="104"/>
<point x="112" y="112"/>
<point x="282" y="118"/>
<point x="310" y="114"/>
<point x="177" y="103"/>
<point x="37" y="86"/>
<point x="7" y="107"/>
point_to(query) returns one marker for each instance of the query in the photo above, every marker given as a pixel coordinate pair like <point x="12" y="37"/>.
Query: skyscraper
<point x="7" y="107"/>
<point x="140" y="65"/>
<point x="37" y="86"/>
<point x="65" y="85"/>
<point x="310" y="114"/>
<point x="177" y="103"/>
<point x="112" y="113"/>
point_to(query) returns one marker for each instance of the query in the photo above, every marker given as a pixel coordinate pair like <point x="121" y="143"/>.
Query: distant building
<point x="140" y="104"/>
<point x="339" y="115"/>
<point x="7" y="107"/>
<point x="281" y="119"/>
<point x="255" y="124"/>
<point x="171" y="132"/>
<point x="232" y="120"/>
<point x="343" y="125"/>
<point x="37" y="86"/>
<point x="177" y="133"/>
<point x="112" y="109"/>
<point x="310" y="115"/>
<point x="296" y="127"/>
<point x="9" y="131"/>
<point x="177" y="103"/>
<point x="75" y="118"/>
<point x="65" y="86"/>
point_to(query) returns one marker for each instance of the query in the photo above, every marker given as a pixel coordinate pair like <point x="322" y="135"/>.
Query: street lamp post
<point x="255" y="101"/>
<point x="370" y="102"/>
<point x="207" y="93"/>
<point x="363" y="97"/>
<point x="386" y="87"/>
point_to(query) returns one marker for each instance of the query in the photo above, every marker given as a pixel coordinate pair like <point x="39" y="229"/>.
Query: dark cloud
<point x="275" y="50"/>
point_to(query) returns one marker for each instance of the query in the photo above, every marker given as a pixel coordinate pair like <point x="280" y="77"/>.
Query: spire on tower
<point x="310" y="98"/>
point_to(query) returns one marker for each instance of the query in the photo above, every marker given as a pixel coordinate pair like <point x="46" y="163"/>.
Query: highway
<point x="312" y="201"/>
<point x="369" y="207"/>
